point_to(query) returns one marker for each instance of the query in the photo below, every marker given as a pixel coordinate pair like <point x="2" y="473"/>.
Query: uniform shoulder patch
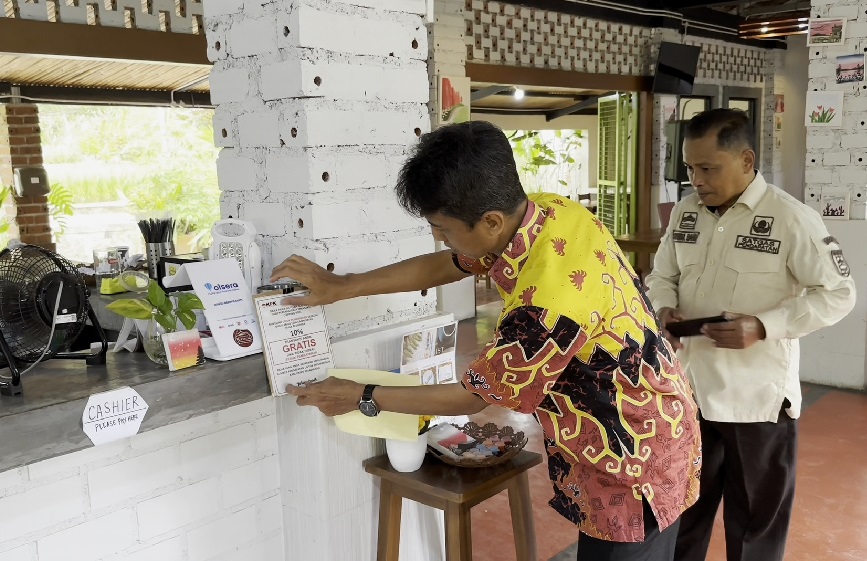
<point x="840" y="262"/>
<point x="829" y="240"/>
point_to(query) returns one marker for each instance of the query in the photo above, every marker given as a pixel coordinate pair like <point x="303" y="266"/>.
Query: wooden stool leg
<point x="522" y="518"/>
<point x="388" y="540"/>
<point x="459" y="542"/>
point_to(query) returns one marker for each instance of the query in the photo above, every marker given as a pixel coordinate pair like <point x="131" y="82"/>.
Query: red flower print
<point x="559" y="246"/>
<point x="559" y="202"/>
<point x="578" y="279"/>
<point x="551" y="214"/>
<point x="527" y="295"/>
<point x="600" y="255"/>
<point x="598" y="224"/>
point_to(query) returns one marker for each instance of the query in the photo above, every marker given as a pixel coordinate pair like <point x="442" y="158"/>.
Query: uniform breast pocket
<point x="757" y="280"/>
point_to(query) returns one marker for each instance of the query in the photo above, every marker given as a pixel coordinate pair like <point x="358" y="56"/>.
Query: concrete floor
<point x="832" y="474"/>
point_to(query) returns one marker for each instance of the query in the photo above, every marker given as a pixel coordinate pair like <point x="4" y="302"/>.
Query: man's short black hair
<point x="463" y="171"/>
<point x="734" y="129"/>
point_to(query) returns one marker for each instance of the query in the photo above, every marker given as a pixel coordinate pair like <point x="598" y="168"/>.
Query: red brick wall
<point x="21" y="145"/>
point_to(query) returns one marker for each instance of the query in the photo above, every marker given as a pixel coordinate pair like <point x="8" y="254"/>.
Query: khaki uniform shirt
<point x="769" y="256"/>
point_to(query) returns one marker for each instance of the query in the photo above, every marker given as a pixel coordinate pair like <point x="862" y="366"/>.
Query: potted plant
<point x="408" y="456"/>
<point x="163" y="314"/>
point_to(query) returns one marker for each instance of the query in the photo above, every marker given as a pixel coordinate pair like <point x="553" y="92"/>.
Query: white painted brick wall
<point x="259" y="129"/>
<point x="155" y="496"/>
<point x="229" y="84"/>
<point x="235" y="173"/>
<point x="250" y="37"/>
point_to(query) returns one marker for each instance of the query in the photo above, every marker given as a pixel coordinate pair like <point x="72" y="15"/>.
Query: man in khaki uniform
<point x="745" y="249"/>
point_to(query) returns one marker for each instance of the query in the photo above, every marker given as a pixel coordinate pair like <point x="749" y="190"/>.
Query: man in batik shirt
<point x="577" y="344"/>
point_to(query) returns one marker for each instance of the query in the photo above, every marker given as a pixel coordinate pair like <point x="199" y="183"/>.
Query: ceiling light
<point x="765" y="29"/>
<point x="519" y="93"/>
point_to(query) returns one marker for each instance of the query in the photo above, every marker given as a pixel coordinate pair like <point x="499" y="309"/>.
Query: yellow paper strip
<point x="398" y="426"/>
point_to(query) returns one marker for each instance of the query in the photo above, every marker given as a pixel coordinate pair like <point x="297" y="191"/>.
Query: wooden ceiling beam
<point x="551" y="78"/>
<point x="96" y="42"/>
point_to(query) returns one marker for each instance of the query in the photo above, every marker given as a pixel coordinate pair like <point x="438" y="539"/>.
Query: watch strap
<point x="367" y="394"/>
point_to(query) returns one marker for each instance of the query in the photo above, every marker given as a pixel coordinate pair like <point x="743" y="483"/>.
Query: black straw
<point x="157" y="230"/>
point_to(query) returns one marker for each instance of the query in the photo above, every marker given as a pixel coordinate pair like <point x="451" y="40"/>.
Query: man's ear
<point x="749" y="160"/>
<point x="494" y="221"/>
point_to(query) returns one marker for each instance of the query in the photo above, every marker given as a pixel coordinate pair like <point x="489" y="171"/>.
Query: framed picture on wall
<point x="453" y="103"/>
<point x="824" y="109"/>
<point x="835" y="204"/>
<point x="826" y="31"/>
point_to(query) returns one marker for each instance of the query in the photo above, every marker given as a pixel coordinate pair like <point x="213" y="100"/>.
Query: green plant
<point x="5" y="192"/>
<point x="160" y="307"/>
<point x="60" y="206"/>
<point x="822" y="115"/>
<point x="534" y="153"/>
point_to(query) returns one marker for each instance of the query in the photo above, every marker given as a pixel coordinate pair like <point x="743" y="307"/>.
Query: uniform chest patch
<point x="684" y="237"/>
<point x="763" y="245"/>
<point x="688" y="220"/>
<point x="762" y="226"/>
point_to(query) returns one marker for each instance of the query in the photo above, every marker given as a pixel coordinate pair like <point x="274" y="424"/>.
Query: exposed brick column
<point x="21" y="145"/>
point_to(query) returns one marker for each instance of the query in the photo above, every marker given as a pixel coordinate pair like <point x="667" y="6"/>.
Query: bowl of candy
<point x="474" y="446"/>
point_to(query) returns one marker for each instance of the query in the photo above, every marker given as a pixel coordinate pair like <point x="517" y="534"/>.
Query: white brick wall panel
<point x="23" y="553"/>
<point x="816" y="141"/>
<point x="349" y="310"/>
<point x="311" y="28"/>
<point x="245" y="413"/>
<point x="71" y="464"/>
<point x="818" y="176"/>
<point x="222" y="535"/>
<point x="323" y="221"/>
<point x="177" y="509"/>
<point x="415" y="246"/>
<point x="225" y="128"/>
<point x="209" y="455"/>
<point x="457" y="22"/>
<point x="324" y="127"/>
<point x="259" y="129"/>
<point x="844" y="11"/>
<point x="252" y="36"/>
<point x="235" y="173"/>
<point x="270" y="219"/>
<point x="219" y="8"/>
<point x="836" y="159"/>
<point x="216" y="41"/>
<point x="134" y="477"/>
<point x="269" y="549"/>
<point x="853" y="175"/>
<point x="169" y="435"/>
<point x="266" y="435"/>
<point x="853" y="140"/>
<point x="94" y="539"/>
<point x="405" y="6"/>
<point x="250" y="481"/>
<point x="270" y="514"/>
<point x="293" y="174"/>
<point x="227" y="85"/>
<point x="41" y="507"/>
<point x="173" y="549"/>
<point x="12" y="478"/>
<point x="356" y="258"/>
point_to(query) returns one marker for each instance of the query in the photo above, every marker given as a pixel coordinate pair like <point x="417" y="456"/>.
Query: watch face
<point x="368" y="408"/>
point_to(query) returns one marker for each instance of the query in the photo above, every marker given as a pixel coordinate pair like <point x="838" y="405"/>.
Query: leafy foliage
<point x="159" y="306"/>
<point x="60" y="208"/>
<point x="536" y="154"/>
<point x="160" y="160"/>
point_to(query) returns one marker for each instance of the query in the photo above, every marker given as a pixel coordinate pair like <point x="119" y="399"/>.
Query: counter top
<point x="46" y="420"/>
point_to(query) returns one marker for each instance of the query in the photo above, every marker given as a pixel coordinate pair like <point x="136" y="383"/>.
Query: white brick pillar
<point x="318" y="102"/>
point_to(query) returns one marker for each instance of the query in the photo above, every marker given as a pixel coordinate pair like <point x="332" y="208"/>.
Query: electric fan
<point x="43" y="308"/>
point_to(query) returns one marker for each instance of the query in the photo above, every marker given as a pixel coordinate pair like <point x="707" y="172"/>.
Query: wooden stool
<point x="455" y="491"/>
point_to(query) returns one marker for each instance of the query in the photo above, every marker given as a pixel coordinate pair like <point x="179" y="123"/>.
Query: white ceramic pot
<point x="406" y="455"/>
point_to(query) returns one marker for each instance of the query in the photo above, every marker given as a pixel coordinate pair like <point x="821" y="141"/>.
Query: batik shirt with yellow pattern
<point x="578" y="346"/>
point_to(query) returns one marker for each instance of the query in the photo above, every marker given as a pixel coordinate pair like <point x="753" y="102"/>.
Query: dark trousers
<point x="657" y="546"/>
<point x="751" y="467"/>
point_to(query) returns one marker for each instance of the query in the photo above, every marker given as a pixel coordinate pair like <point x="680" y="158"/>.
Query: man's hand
<point x="740" y="332"/>
<point x="333" y="396"/>
<point x="670" y="315"/>
<point x="325" y="287"/>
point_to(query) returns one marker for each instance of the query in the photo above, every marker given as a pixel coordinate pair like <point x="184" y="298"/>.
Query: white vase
<point x="406" y="455"/>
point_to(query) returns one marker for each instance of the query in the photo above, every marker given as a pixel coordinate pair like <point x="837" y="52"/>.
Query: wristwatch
<point x="367" y="406"/>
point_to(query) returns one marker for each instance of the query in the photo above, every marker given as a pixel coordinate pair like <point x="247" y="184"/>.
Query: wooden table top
<point x="640" y="242"/>
<point x="451" y="483"/>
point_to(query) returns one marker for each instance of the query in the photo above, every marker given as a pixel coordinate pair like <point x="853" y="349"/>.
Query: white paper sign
<point x="297" y="346"/>
<point x="221" y="287"/>
<point x="113" y="415"/>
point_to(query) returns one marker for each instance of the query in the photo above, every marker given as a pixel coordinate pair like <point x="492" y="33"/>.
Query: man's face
<point x="477" y="242"/>
<point x="718" y="175"/>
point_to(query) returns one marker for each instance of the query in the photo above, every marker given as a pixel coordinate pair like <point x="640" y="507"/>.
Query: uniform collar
<point x="752" y="194"/>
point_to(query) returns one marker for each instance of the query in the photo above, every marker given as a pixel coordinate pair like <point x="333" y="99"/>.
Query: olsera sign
<point x="113" y="415"/>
